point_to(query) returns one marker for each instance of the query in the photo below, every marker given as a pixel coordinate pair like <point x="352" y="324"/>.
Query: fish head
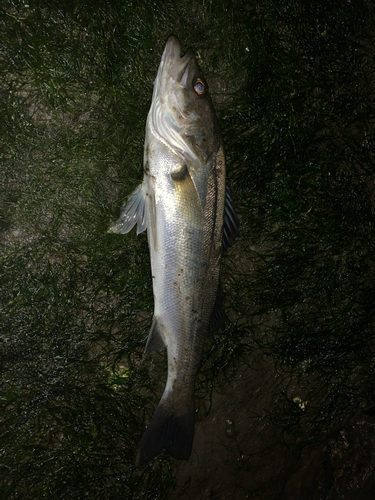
<point x="182" y="113"/>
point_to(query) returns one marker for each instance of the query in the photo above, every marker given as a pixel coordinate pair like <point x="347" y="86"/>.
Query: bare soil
<point x="239" y="453"/>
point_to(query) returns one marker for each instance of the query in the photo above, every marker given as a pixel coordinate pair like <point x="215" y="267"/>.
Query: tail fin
<point x="169" y="429"/>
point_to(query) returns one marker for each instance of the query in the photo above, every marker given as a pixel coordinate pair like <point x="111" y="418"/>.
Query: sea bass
<point x="189" y="216"/>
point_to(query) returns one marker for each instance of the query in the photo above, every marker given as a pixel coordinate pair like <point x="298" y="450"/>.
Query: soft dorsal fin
<point x="231" y="224"/>
<point x="218" y="312"/>
<point x="155" y="341"/>
<point x="135" y="211"/>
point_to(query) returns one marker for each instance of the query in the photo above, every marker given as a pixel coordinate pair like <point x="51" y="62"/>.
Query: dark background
<point x="285" y="396"/>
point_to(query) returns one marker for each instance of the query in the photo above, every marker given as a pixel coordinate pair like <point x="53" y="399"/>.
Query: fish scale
<point x="183" y="203"/>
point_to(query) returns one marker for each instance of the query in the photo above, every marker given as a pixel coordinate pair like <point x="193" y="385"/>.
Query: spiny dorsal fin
<point x="155" y="341"/>
<point x="231" y="224"/>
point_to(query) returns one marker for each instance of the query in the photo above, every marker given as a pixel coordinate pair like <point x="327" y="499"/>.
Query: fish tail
<point x="169" y="429"/>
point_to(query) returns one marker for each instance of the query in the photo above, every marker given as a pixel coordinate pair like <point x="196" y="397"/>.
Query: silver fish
<point x="190" y="219"/>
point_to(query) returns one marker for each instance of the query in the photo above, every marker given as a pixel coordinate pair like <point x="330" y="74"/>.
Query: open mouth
<point x="173" y="75"/>
<point x="177" y="66"/>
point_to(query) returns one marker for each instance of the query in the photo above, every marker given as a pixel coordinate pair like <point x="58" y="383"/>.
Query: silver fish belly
<point x="190" y="219"/>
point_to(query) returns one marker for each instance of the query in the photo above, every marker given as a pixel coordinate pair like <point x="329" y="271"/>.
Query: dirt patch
<point x="239" y="453"/>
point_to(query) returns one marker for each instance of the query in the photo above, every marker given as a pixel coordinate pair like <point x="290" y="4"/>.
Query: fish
<point x="190" y="219"/>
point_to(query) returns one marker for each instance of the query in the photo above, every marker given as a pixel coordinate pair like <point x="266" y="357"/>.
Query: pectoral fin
<point x="135" y="211"/>
<point x="187" y="196"/>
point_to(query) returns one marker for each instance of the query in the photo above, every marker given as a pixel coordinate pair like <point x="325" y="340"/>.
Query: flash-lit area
<point x="285" y="393"/>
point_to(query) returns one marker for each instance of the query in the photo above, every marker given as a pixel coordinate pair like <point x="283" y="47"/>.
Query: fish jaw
<point x="173" y="68"/>
<point x="180" y="117"/>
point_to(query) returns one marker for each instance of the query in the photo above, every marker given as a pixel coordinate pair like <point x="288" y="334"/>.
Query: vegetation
<point x="293" y="86"/>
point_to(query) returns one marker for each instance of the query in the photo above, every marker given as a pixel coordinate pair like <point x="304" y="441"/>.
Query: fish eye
<point x="200" y="87"/>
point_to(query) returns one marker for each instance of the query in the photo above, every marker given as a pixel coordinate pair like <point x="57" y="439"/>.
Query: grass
<point x="293" y="92"/>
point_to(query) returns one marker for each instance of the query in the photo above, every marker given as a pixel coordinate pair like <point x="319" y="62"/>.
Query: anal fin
<point x="155" y="341"/>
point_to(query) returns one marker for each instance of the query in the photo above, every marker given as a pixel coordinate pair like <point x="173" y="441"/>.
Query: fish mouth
<point x="172" y="64"/>
<point x="171" y="52"/>
<point x="167" y="101"/>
